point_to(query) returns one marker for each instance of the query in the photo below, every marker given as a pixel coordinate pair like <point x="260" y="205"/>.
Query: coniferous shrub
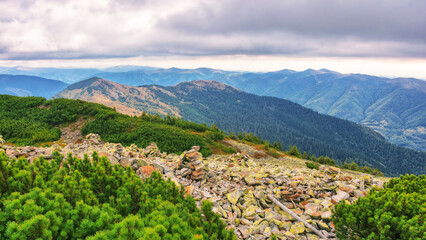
<point x="397" y="211"/>
<point x="312" y="165"/>
<point x="92" y="199"/>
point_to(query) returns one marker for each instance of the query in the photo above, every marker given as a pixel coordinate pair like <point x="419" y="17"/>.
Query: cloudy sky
<point x="381" y="37"/>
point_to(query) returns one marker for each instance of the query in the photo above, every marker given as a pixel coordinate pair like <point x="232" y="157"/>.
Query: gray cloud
<point x="47" y="29"/>
<point x="365" y="19"/>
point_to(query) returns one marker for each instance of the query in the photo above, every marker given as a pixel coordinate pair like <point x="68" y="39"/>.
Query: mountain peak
<point x="84" y="83"/>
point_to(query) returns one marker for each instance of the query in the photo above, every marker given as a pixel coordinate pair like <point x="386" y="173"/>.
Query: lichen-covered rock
<point x="322" y="226"/>
<point x="339" y="197"/>
<point x="234" y="196"/>
<point x="297" y="228"/>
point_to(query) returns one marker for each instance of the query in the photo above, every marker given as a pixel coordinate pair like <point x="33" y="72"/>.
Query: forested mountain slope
<point x="271" y="118"/>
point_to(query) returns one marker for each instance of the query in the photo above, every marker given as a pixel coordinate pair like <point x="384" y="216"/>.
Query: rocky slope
<point x="238" y="184"/>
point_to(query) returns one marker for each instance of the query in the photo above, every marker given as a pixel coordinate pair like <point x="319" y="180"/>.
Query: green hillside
<point x="33" y="120"/>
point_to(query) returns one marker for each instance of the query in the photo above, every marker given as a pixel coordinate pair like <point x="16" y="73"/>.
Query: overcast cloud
<point x="96" y="29"/>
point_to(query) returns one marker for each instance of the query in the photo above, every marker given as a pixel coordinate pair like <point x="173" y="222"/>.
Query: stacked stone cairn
<point x="191" y="165"/>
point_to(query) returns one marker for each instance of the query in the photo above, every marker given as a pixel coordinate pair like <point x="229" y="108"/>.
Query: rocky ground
<point x="238" y="185"/>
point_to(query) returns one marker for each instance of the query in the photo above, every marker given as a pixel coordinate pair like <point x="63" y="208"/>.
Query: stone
<point x="312" y="207"/>
<point x="1" y="140"/>
<point x="198" y="175"/>
<point x="313" y="237"/>
<point x="234" y="196"/>
<point x="158" y="167"/>
<point x="237" y="211"/>
<point x="189" y="190"/>
<point x="269" y="214"/>
<point x="206" y="194"/>
<point x="297" y="228"/>
<point x="244" y="232"/>
<point x="267" y="232"/>
<point x="183" y="172"/>
<point x="326" y="216"/>
<point x="56" y="147"/>
<point x="289" y="235"/>
<point x="332" y="170"/>
<point x="290" y="198"/>
<point x="259" y="226"/>
<point x="326" y="203"/>
<point x="196" y="148"/>
<point x="140" y="162"/>
<point x="281" y="225"/>
<point x="245" y="221"/>
<point x="125" y="162"/>
<point x="251" y="181"/>
<point x="250" y="212"/>
<point x="339" y="197"/>
<point x="322" y="225"/>
<point x="315" y="215"/>
<point x="93" y="138"/>
<point x="134" y="148"/>
<point x="367" y="180"/>
<point x="145" y="171"/>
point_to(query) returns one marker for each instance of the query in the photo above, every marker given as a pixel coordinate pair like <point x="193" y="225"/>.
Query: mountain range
<point x="20" y="85"/>
<point x="396" y="108"/>
<point x="271" y="118"/>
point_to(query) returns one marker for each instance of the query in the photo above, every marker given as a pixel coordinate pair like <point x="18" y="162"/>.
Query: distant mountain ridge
<point x="271" y="118"/>
<point x="20" y="85"/>
<point x="394" y="107"/>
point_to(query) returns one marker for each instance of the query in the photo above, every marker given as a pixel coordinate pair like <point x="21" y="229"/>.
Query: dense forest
<point x="92" y="199"/>
<point x="283" y="121"/>
<point x="33" y="120"/>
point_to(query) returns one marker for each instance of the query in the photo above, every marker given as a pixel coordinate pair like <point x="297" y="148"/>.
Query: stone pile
<point x="237" y="185"/>
<point x="191" y="165"/>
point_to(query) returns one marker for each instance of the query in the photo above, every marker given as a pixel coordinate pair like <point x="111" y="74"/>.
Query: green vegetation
<point x="293" y="151"/>
<point x="365" y="169"/>
<point x="92" y="199"/>
<point x="396" y="212"/>
<point x="312" y="165"/>
<point x="33" y="120"/>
